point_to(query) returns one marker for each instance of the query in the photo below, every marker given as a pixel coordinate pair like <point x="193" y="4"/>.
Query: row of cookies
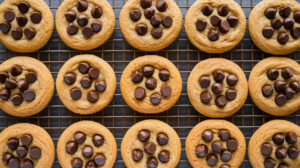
<point x="213" y="26"/>
<point x="152" y="144"/>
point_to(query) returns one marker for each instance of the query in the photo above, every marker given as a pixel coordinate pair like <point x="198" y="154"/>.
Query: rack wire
<point x="117" y="116"/>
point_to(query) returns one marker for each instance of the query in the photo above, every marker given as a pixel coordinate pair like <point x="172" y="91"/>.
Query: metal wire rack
<point x="117" y="116"/>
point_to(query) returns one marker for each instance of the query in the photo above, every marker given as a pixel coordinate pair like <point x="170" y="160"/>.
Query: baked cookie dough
<point x="274" y="26"/>
<point x="215" y="143"/>
<point x="87" y="144"/>
<point x="25" y="25"/>
<point x="150" y="25"/>
<point x="217" y="87"/>
<point x="151" y="143"/>
<point x="26" y="86"/>
<point x="86" y="84"/>
<point x="274" y="85"/>
<point x="85" y="24"/>
<point x="275" y="144"/>
<point x="151" y="84"/>
<point x="215" y="26"/>
<point x="26" y="146"/>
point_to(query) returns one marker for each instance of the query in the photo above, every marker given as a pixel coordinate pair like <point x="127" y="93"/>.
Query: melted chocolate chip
<point x="278" y="139"/>
<point x="201" y="150"/>
<point x="76" y="93"/>
<point x="276" y="23"/>
<point x="29" y="95"/>
<point x="207" y="135"/>
<point x="86" y="82"/>
<point x="285" y="11"/>
<point x="215" y="20"/>
<point x="29" y="32"/>
<point x="270" y="13"/>
<point x="225" y="155"/>
<point x="205" y="97"/>
<point x="23" y="7"/>
<point x="148" y="13"/>
<point x="92" y="96"/>
<point x="31" y="77"/>
<point x="161" y="5"/>
<point x="146" y="3"/>
<point x="201" y="24"/>
<point x="94" y="73"/>
<point x="287" y="73"/>
<point x="232" y="144"/>
<point x="213" y="35"/>
<point x="166" y="90"/>
<point x="70" y="16"/>
<point x="272" y="74"/>
<point x="4" y="94"/>
<point x="144" y="135"/>
<point x="139" y="93"/>
<point x="162" y="139"/>
<point x="266" y="149"/>
<point x="82" y="6"/>
<point x="218" y="75"/>
<point x="152" y="162"/>
<point x="16" y="99"/>
<point x="283" y="38"/>
<point x="167" y="21"/>
<point x="224" y="26"/>
<point x="223" y="10"/>
<point x="79" y="137"/>
<point x="224" y="134"/>
<point x="155" y="98"/>
<point x="289" y="92"/>
<point x="70" y="78"/>
<point x="269" y="163"/>
<point x="164" y="156"/>
<point x="137" y="154"/>
<point x="281" y="153"/>
<point x="155" y="20"/>
<point x="217" y="88"/>
<point x="96" y="12"/>
<point x="82" y="20"/>
<point x="13" y="143"/>
<point x="99" y="159"/>
<point x="135" y="15"/>
<point x="137" y="77"/>
<point x="212" y="159"/>
<point x="141" y="29"/>
<point x="293" y="152"/>
<point x="10" y="83"/>
<point x="295" y="32"/>
<point x="233" y="20"/>
<point x="87" y="151"/>
<point x="156" y="32"/>
<point x="268" y="32"/>
<point x="22" y="20"/>
<point x="22" y="151"/>
<point x="6" y="158"/>
<point x="151" y="83"/>
<point x="72" y="29"/>
<point x="280" y="86"/>
<point x="291" y="138"/>
<point x="150" y="148"/>
<point x="280" y="99"/>
<point x="35" y="153"/>
<point x="5" y="27"/>
<point x="22" y="85"/>
<point x="36" y="17"/>
<point x="98" y="140"/>
<point x="288" y="23"/>
<point x="26" y="139"/>
<point x="96" y="26"/>
<point x="164" y="75"/>
<point x="207" y="9"/>
<point x="77" y="163"/>
<point x="217" y="146"/>
<point x="100" y="86"/>
<point x="17" y="33"/>
<point x="9" y="15"/>
<point x="267" y="90"/>
<point x="295" y="85"/>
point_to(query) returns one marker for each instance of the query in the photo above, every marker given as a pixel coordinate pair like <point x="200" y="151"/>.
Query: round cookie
<point x="274" y="26"/>
<point x="274" y="85"/>
<point x="217" y="87"/>
<point x="85" y="24"/>
<point x="215" y="143"/>
<point x="86" y="84"/>
<point x="151" y="84"/>
<point x="150" y="25"/>
<point x="26" y="86"/>
<point x="215" y="26"/>
<point x="275" y="144"/>
<point x="26" y="145"/>
<point x="25" y="25"/>
<point x="87" y="143"/>
<point x="159" y="141"/>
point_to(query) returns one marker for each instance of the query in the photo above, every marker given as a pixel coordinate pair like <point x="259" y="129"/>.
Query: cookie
<point x="151" y="84"/>
<point x="274" y="85"/>
<point x="274" y="26"/>
<point x="25" y="25"/>
<point x="26" y="145"/>
<point x="215" y="26"/>
<point x="86" y="84"/>
<point x="150" y="25"/>
<point x="151" y="143"/>
<point x="85" y="24"/>
<point x="26" y="86"/>
<point x="87" y="144"/>
<point x="217" y="87"/>
<point x="275" y="144"/>
<point x="215" y="143"/>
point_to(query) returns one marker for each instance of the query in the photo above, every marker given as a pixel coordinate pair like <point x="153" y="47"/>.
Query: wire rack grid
<point x="117" y="116"/>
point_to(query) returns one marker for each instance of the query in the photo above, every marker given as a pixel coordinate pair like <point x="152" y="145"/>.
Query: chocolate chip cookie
<point x="86" y="84"/>
<point x="26" y="146"/>
<point x="151" y="84"/>
<point x="275" y="26"/>
<point x="87" y="144"/>
<point x="150" y="25"/>
<point x="274" y="85"/>
<point x="85" y="24"/>
<point x="151" y="143"/>
<point x="215" y="143"/>
<point x="215" y="26"/>
<point x="25" y="25"/>
<point x="275" y="144"/>
<point x="217" y="87"/>
<point x="26" y="86"/>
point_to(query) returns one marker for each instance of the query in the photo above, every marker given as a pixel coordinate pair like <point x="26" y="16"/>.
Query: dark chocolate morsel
<point x="31" y="77"/>
<point x="4" y="94"/>
<point x="285" y="11"/>
<point x="79" y="137"/>
<point x="100" y="85"/>
<point x="280" y="99"/>
<point x="283" y="165"/>
<point x="217" y="88"/>
<point x="215" y="20"/>
<point x="148" y="70"/>
<point x="297" y="16"/>
<point x="218" y="75"/>
<point x="85" y="82"/>
<point x="17" y="33"/>
<point x="223" y="10"/>
<point x="137" y="77"/>
<point x="231" y="94"/>
<point x="166" y="90"/>
<point x="14" y="163"/>
<point x="231" y="79"/>
<point x="144" y="135"/>
<point x="270" y="13"/>
<point x="207" y="9"/>
<point x="155" y="98"/>
<point x="94" y="73"/>
<point x="90" y="164"/>
<point x="96" y="26"/>
<point x="164" y="156"/>
<point x="167" y="21"/>
<point x="72" y="29"/>
<point x="221" y="101"/>
<point x="137" y="154"/>
<point x="295" y="85"/>
<point x="266" y="149"/>
<point x="13" y="143"/>
<point x="201" y="150"/>
<point x="77" y="163"/>
<point x="16" y="99"/>
<point x="26" y="139"/>
<point x="161" y="5"/>
<point x="217" y="146"/>
<point x="22" y="85"/>
<point x="276" y="23"/>
<point x="232" y="144"/>
<point x="22" y="151"/>
<point x="135" y="15"/>
<point x="156" y="32"/>
<point x="36" y="17"/>
<point x="205" y="97"/>
<point x="29" y="33"/>
<point x="273" y="74"/>
<point x="99" y="159"/>
<point x="150" y="148"/>
<point x="9" y="15"/>
<point x="139" y="93"/>
<point x="224" y="26"/>
<point x="35" y="153"/>
<point x="224" y="166"/>
<point x="295" y="32"/>
<point x="281" y="153"/>
<point x="23" y="7"/>
<point x="289" y="92"/>
<point x="82" y="6"/>
<point x="267" y="90"/>
<point x="280" y="86"/>
<point x="278" y="139"/>
<point x="164" y="75"/>
<point x="141" y="29"/>
<point x="92" y="96"/>
<point x="3" y="77"/>
<point x="225" y="155"/>
<point x="224" y="134"/>
<point x="213" y="35"/>
<point x="98" y="140"/>
<point x="283" y="38"/>
<point x="287" y="73"/>
<point x="87" y="32"/>
<point x="10" y="83"/>
<point x="148" y="13"/>
<point x="83" y="67"/>
<point x="233" y="20"/>
<point x="5" y="27"/>
<point x="151" y="83"/>
<point x="70" y="78"/>
<point x="146" y="3"/>
<point x="96" y="12"/>
<point x="291" y="138"/>
<point x="6" y="158"/>
<point x="162" y="139"/>
<point x="269" y="163"/>
<point x="212" y="159"/>
<point x="204" y="81"/>
<point x="268" y="32"/>
<point x="152" y="162"/>
<point x="156" y="20"/>
<point x="29" y="95"/>
<point x="201" y="24"/>
<point x="288" y="23"/>
<point x="22" y="20"/>
<point x="75" y="93"/>
<point x="207" y="135"/>
<point x="87" y="151"/>
<point x="70" y="16"/>
<point x="293" y="152"/>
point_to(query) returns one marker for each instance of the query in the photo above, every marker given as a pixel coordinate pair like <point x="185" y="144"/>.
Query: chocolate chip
<point x="17" y="33"/>
<point x="223" y="10"/>
<point x="9" y="15"/>
<point x="82" y="6"/>
<point x="231" y="80"/>
<point x="215" y="20"/>
<point x="291" y="138"/>
<point x="36" y="17"/>
<point x="23" y="7"/>
<point x="150" y="148"/>
<point x="152" y="162"/>
<point x="137" y="77"/>
<point x="217" y="88"/>
<point x="167" y="21"/>
<point x="22" y="20"/>
<point x="141" y="29"/>
<point x="87" y="151"/>
<point x="77" y="163"/>
<point x="280" y="86"/>
<point x="144" y="136"/>
<point x="230" y="94"/>
<point x="270" y="13"/>
<point x="283" y="165"/>
<point x="276" y="23"/>
<point x="6" y="158"/>
<point x="280" y="99"/>
<point x="82" y="20"/>
<point x="92" y="96"/>
<point x="217" y="146"/>
<point x="269" y="163"/>
<point x="297" y="16"/>
<point x="3" y="77"/>
<point x="295" y="32"/>
<point x="5" y="27"/>
<point x="166" y="90"/>
<point x="146" y="3"/>
<point x="22" y="151"/>
<point x="98" y="140"/>
<point x="273" y="74"/>
<point x="205" y="97"/>
<point x="14" y="163"/>
<point x="281" y="153"/>
<point x="293" y="152"/>
<point x="224" y="166"/>
<point x="26" y="139"/>
<point x="268" y="32"/>
<point x="148" y="13"/>
<point x="288" y="23"/>
<point x="162" y="139"/>
<point x="27" y="164"/>
<point x="94" y="73"/>
<point x="164" y="156"/>
<point x="283" y="38"/>
<point x="212" y="159"/>
<point x="267" y="90"/>
<point x="155" y="20"/>
<point x="201" y="24"/>
<point x="100" y="85"/>
<point x="266" y="149"/>
<point x="156" y="32"/>
<point x="233" y="20"/>
<point x="79" y="137"/>
<point x="99" y="159"/>
<point x="70" y="78"/>
<point x="164" y="75"/>
<point x="232" y="144"/>
<point x="139" y="93"/>
<point x="16" y="99"/>
<point x="13" y="143"/>
<point x="201" y="150"/>
<point x="96" y="12"/>
<point x="96" y="26"/>
<point x="22" y="85"/>
<point x="295" y="85"/>
<point x="289" y="92"/>
<point x="155" y="98"/>
<point x="135" y="15"/>
<point x="70" y="16"/>
<point x="278" y="139"/>
<point x="83" y="67"/>
<point x="31" y="77"/>
<point x="137" y="154"/>
<point x="161" y="5"/>
<point x="29" y="32"/>
<point x="218" y="75"/>
<point x="29" y="95"/>
<point x="204" y="81"/>
<point x="225" y="155"/>
<point x="285" y="11"/>
<point x="224" y="134"/>
<point x="207" y="135"/>
<point x="75" y="93"/>
<point x="86" y="82"/>
<point x="90" y="164"/>
<point x="4" y="94"/>
<point x="10" y="83"/>
<point x="35" y="153"/>
<point x="224" y="26"/>
<point x="148" y="70"/>
<point x="72" y="29"/>
<point x="15" y="70"/>
<point x="207" y="9"/>
<point x="287" y="73"/>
